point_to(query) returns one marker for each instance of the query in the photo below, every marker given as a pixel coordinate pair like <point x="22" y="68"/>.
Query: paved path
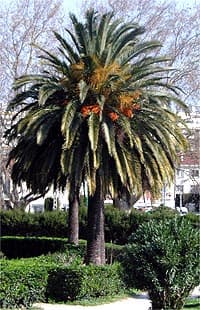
<point x="140" y="302"/>
<point x="136" y="303"/>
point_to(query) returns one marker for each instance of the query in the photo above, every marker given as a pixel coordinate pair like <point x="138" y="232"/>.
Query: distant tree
<point x="23" y="24"/>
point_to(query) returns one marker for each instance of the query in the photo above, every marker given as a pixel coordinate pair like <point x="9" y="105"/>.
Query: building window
<point x="195" y="189"/>
<point x="194" y="173"/>
<point x="180" y="173"/>
<point x="179" y="188"/>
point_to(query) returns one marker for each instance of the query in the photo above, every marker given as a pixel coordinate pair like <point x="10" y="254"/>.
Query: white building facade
<point x="185" y="190"/>
<point x="187" y="181"/>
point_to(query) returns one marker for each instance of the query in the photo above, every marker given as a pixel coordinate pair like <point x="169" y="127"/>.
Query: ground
<point x="140" y="302"/>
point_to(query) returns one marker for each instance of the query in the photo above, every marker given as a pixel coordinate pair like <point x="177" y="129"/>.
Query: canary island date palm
<point x="100" y="113"/>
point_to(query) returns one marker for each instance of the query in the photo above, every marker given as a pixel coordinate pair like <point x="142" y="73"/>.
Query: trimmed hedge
<point x="119" y="225"/>
<point x="84" y="282"/>
<point x="22" y="283"/>
<point x="26" y="281"/>
<point x="18" y="247"/>
<point x="20" y="223"/>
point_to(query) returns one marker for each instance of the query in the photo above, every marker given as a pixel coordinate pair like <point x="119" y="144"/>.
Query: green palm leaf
<point x="72" y="56"/>
<point x="100" y="61"/>
<point x="46" y="90"/>
<point x="67" y="119"/>
<point x="93" y="131"/>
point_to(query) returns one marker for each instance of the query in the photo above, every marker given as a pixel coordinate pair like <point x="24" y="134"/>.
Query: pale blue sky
<point x="72" y="5"/>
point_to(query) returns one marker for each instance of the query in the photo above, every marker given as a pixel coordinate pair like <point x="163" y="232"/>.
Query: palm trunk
<point x="95" y="239"/>
<point x="73" y="220"/>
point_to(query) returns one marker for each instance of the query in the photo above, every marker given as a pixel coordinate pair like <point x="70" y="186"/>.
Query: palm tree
<point x="100" y="113"/>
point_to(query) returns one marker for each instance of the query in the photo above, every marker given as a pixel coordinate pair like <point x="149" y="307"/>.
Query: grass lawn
<point x="192" y="304"/>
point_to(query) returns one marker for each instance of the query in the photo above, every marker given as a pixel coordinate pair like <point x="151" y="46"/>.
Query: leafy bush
<point x="163" y="212"/>
<point x="16" y="222"/>
<point x="84" y="282"/>
<point x="163" y="258"/>
<point x="19" y="223"/>
<point x="58" y="277"/>
<point x="22" y="283"/>
<point x="119" y="225"/>
<point x="18" y="247"/>
<point x="113" y="252"/>
<point x="194" y="219"/>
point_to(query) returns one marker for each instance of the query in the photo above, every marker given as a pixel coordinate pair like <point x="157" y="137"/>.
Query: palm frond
<point x="75" y="111"/>
<point x="83" y="90"/>
<point x="81" y="34"/>
<point x="104" y="31"/>
<point x="126" y="40"/>
<point x="93" y="131"/>
<point x="68" y="116"/>
<point x="141" y="48"/>
<point x="47" y="90"/>
<point x="72" y="56"/>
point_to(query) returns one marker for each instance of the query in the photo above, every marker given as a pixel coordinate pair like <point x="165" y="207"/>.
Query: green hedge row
<point x="20" y="223"/>
<point x="119" y="225"/>
<point x="18" y="247"/>
<point x="84" y="282"/>
<point x="21" y="247"/>
<point x="26" y="281"/>
<point x="22" y="283"/>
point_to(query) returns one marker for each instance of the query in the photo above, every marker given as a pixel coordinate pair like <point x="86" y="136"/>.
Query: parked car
<point x="182" y="210"/>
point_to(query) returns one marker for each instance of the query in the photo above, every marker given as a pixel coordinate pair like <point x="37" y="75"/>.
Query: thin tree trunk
<point x="73" y="220"/>
<point x="95" y="239"/>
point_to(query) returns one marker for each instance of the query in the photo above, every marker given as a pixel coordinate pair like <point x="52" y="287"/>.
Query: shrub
<point x="194" y="219"/>
<point x="119" y="224"/>
<point x="22" y="283"/>
<point x="18" y="247"/>
<point x="57" y="277"/>
<point x="163" y="212"/>
<point x="21" y="247"/>
<point x="16" y="222"/>
<point x="84" y="282"/>
<point x="113" y="252"/>
<point x="163" y="258"/>
<point x="19" y="223"/>
<point x="51" y="224"/>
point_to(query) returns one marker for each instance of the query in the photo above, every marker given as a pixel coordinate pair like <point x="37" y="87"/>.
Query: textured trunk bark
<point x="95" y="239"/>
<point x="73" y="220"/>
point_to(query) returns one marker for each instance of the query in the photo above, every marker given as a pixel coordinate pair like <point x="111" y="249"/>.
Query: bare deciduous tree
<point x="175" y="26"/>
<point x="23" y="24"/>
